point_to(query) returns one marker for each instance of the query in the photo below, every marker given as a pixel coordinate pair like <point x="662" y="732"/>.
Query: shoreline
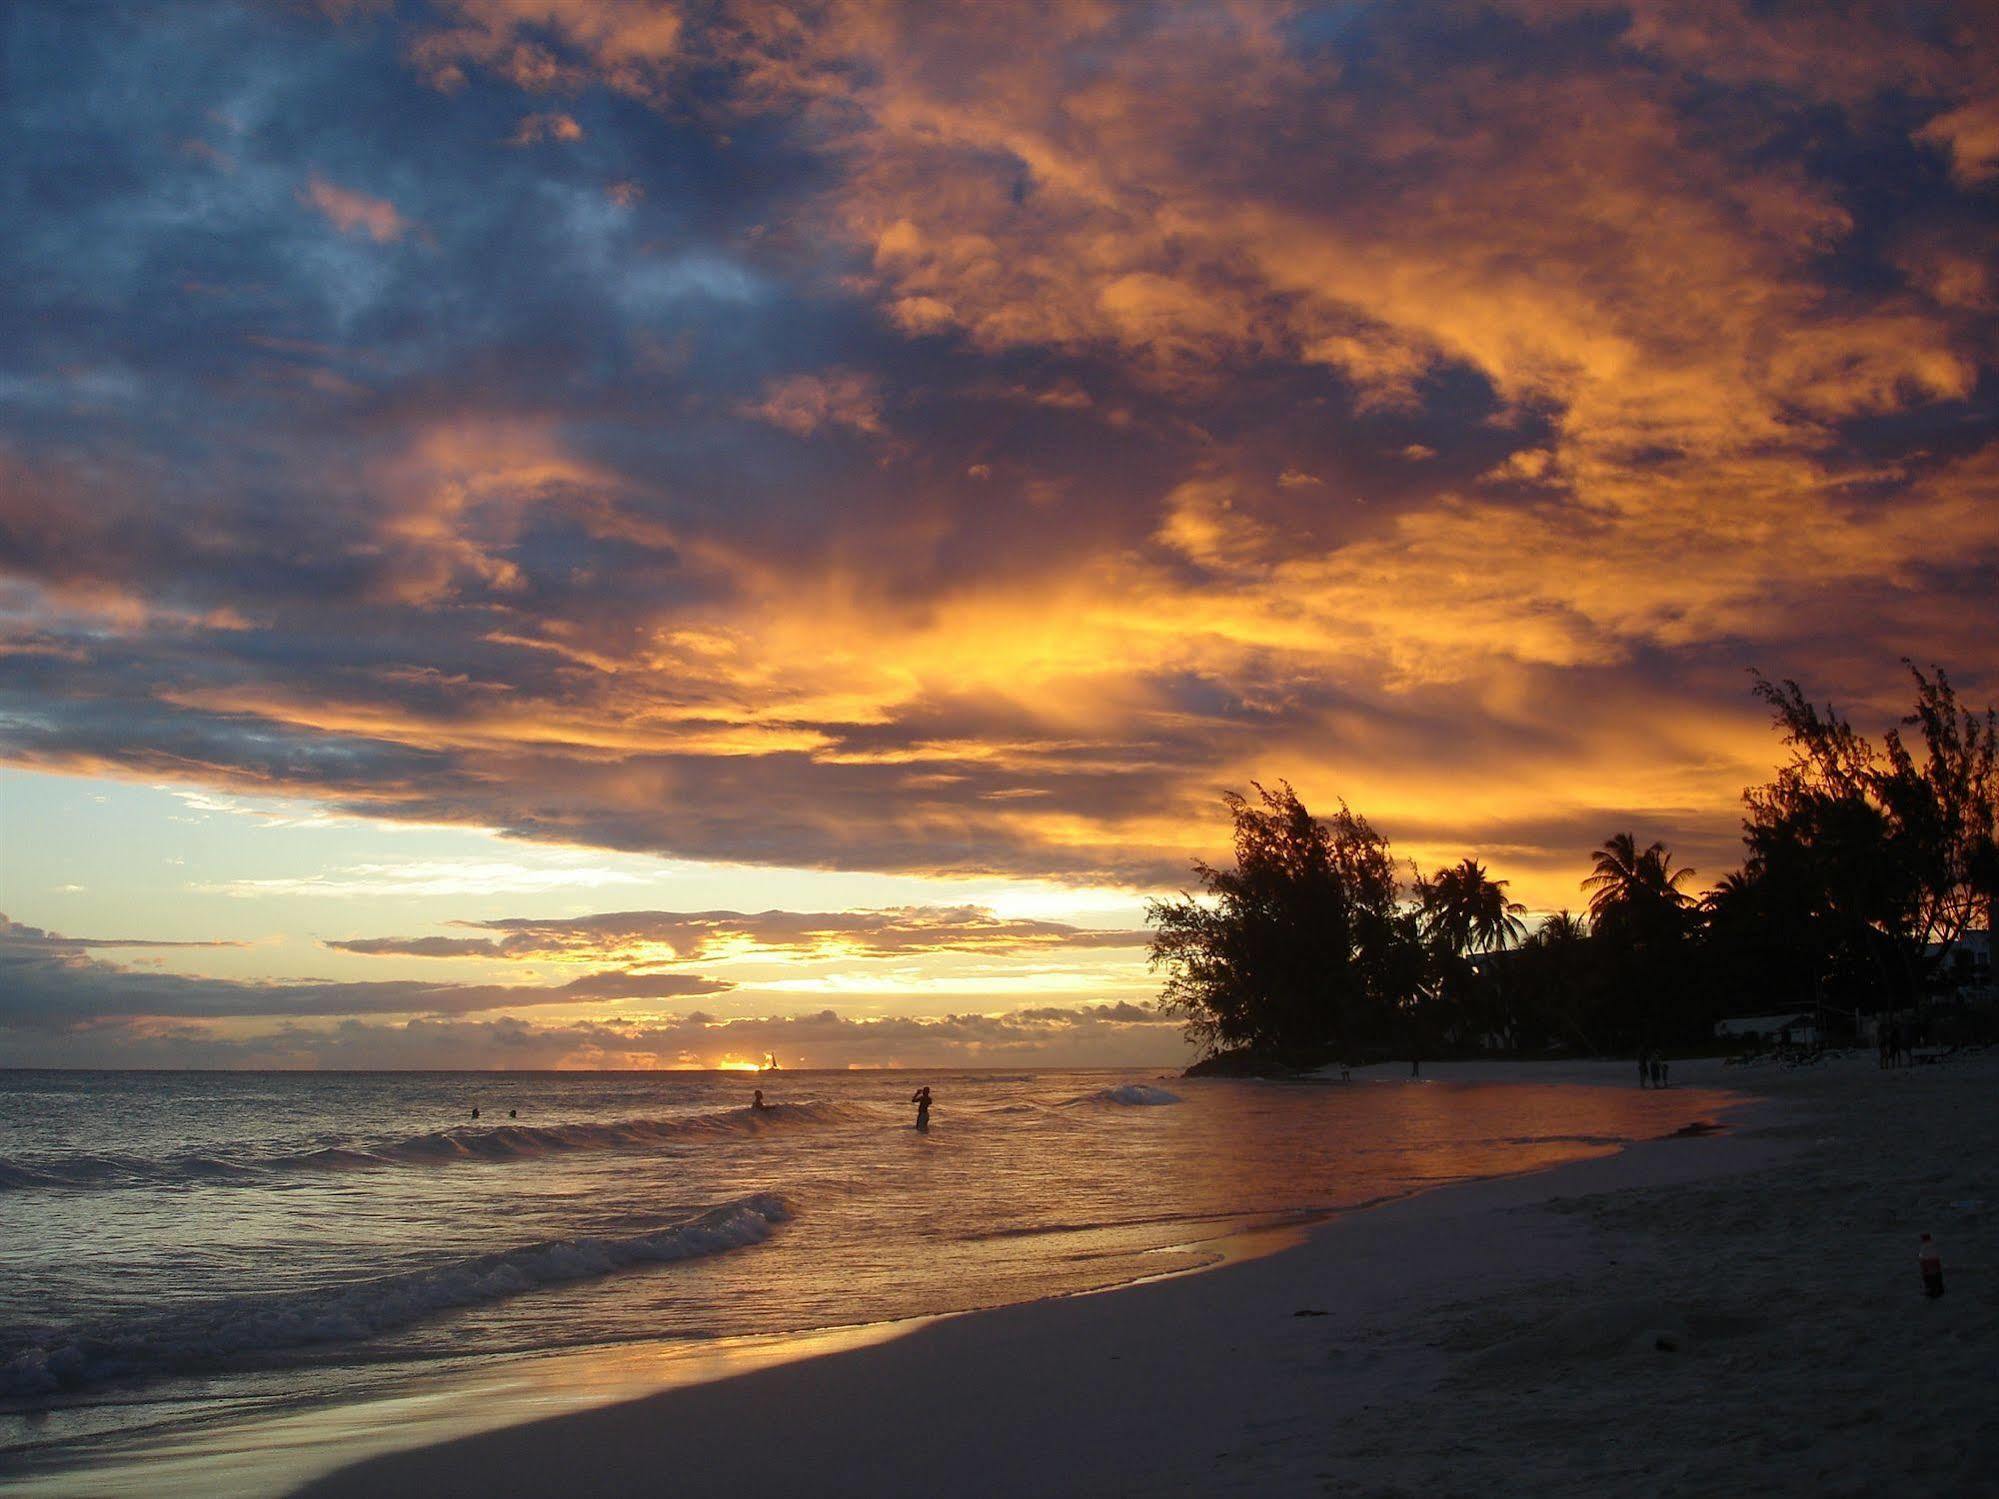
<point x="274" y="1450"/>
<point x="1124" y="1389"/>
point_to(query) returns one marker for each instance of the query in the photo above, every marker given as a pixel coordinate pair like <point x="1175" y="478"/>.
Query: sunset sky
<point x="600" y="533"/>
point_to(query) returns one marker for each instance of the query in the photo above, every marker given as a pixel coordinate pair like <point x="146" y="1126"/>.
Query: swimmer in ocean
<point x="757" y="1103"/>
<point x="921" y="1098"/>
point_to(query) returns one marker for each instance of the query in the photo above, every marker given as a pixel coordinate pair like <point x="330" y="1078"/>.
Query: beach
<point x="1711" y="1314"/>
<point x="234" y="1284"/>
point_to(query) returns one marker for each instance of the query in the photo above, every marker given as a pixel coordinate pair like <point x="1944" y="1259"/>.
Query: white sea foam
<point x="1134" y="1093"/>
<point x="201" y="1335"/>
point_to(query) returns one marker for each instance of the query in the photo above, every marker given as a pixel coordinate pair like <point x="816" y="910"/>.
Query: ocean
<point x="223" y="1282"/>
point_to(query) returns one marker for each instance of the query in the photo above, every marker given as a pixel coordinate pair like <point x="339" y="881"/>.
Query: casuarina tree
<point x="1296" y="950"/>
<point x="1890" y="848"/>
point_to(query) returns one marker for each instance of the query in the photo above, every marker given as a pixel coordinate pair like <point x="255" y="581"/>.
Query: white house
<point x="1786" y="1029"/>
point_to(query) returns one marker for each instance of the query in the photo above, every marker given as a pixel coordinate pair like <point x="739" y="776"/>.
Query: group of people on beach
<point x="1652" y="1070"/>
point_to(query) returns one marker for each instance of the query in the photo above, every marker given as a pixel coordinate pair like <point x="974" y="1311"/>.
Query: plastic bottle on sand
<point x="1932" y="1265"/>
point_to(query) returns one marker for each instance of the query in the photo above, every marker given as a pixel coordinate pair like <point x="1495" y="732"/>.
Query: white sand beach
<point x="1725" y="1314"/>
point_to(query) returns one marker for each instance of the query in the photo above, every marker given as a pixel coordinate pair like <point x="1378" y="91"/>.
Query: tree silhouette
<point x="1296" y="949"/>
<point x="1890" y="854"/>
<point x="1945" y="807"/>
<point x="1636" y="890"/>
<point x="1558" y="980"/>
<point x="1865" y="865"/>
<point x="1464" y="912"/>
<point x="1640" y="919"/>
<point x="1760" y="946"/>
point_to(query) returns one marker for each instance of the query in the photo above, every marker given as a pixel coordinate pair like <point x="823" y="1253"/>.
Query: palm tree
<point x="1633" y="886"/>
<point x="1734" y="891"/>
<point x="1464" y="912"/>
<point x="1558" y="976"/>
<point x="1467" y="911"/>
<point x="1640" y="917"/>
<point x="1562" y="930"/>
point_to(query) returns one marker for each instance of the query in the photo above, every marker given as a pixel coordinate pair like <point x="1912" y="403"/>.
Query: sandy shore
<point x="1733" y="1314"/>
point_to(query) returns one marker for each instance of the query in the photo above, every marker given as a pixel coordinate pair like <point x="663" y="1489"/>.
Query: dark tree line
<point x="1302" y="944"/>
<point x="1864" y="865"/>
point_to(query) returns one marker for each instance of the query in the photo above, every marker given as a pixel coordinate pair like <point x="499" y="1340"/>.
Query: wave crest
<point x="503" y="1142"/>
<point x="1132" y="1094"/>
<point x="203" y="1334"/>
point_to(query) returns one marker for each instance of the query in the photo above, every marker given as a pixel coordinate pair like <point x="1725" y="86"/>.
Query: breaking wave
<point x="201" y="1335"/>
<point x="1131" y="1093"/>
<point x="505" y="1142"/>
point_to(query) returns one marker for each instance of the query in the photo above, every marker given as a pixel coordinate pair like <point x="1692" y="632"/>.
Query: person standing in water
<point x="921" y="1098"/>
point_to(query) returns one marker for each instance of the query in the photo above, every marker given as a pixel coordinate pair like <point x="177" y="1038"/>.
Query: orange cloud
<point x="1971" y="134"/>
<point x="549" y="45"/>
<point x="552" y="126"/>
<point x="639" y="937"/>
<point x="803" y="404"/>
<point x="1571" y="292"/>
<point x="351" y="212"/>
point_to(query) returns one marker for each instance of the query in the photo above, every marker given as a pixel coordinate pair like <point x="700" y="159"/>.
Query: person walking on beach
<point x="921" y="1098"/>
<point x="1644" y="1070"/>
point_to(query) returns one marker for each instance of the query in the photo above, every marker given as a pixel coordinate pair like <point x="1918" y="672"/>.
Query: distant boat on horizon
<point x="770" y="1063"/>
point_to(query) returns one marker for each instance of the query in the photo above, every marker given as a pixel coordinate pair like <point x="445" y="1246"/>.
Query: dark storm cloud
<point x="945" y="439"/>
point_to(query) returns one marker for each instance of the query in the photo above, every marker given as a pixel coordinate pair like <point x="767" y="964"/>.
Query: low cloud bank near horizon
<point x="61" y="1007"/>
<point x="49" y="982"/>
